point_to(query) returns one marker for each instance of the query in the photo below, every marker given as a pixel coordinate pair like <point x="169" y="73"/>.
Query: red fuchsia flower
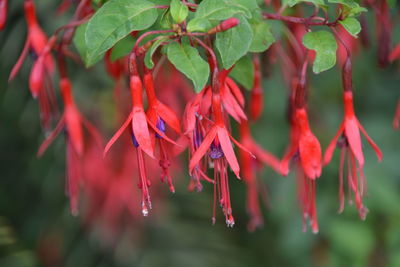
<point x="3" y="13"/>
<point x="396" y="119"/>
<point x="348" y="139"/>
<point x="160" y="116"/>
<point x="232" y="98"/>
<point x="249" y="168"/>
<point x="257" y="96"/>
<point x="72" y="122"/>
<point x="195" y="131"/>
<point x="140" y="138"/>
<point x="305" y="144"/>
<point x="305" y="148"/>
<point x="217" y="145"/>
<point x="36" y="40"/>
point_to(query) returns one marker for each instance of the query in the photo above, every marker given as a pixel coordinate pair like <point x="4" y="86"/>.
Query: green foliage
<point x="122" y="48"/>
<point x="79" y="41"/>
<point x="262" y="36"/>
<point x="179" y="11"/>
<point x="148" y="59"/>
<point x="234" y="43"/>
<point x="292" y="3"/>
<point x="325" y="46"/>
<point x="352" y="26"/>
<point x="113" y="21"/>
<point x="188" y="61"/>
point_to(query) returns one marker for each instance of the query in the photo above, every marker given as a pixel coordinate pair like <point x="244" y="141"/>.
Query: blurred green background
<point x="36" y="228"/>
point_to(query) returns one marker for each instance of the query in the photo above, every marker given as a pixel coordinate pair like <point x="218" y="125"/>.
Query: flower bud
<point x="224" y="25"/>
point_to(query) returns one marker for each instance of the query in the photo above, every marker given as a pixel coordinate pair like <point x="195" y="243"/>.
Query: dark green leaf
<point x="234" y="43"/>
<point x="325" y="46"/>
<point x="179" y="11"/>
<point x="188" y="61"/>
<point x="243" y="72"/>
<point x="122" y="48"/>
<point x="113" y="21"/>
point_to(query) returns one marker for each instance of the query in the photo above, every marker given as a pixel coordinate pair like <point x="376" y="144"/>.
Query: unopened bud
<point x="224" y="25"/>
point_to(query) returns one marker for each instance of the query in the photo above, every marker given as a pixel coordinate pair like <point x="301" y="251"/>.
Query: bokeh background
<point x="37" y="229"/>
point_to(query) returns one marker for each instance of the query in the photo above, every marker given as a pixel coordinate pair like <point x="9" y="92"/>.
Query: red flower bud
<point x="224" y="25"/>
<point x="229" y="23"/>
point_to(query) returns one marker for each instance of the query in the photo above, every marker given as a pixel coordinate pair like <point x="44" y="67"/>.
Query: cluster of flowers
<point x="158" y="135"/>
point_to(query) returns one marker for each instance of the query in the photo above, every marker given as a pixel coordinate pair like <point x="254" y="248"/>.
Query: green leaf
<point x="243" y="72"/>
<point x="122" y="48"/>
<point x="199" y="25"/>
<point x="113" y="21"/>
<point x="148" y="59"/>
<point x="350" y="7"/>
<point x="262" y="36"/>
<point x="188" y="61"/>
<point x="352" y="26"/>
<point x="179" y="11"/>
<point x="292" y="3"/>
<point x="79" y="41"/>
<point x="234" y="43"/>
<point x="325" y="46"/>
<point x="166" y="20"/>
<point x="221" y="9"/>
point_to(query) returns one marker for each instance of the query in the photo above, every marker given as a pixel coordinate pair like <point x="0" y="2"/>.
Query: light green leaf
<point x="148" y="59"/>
<point x="350" y="7"/>
<point x="188" y="61"/>
<point x="113" y="21"/>
<point x="292" y="3"/>
<point x="179" y="11"/>
<point x="243" y="72"/>
<point x="166" y="20"/>
<point x="325" y="46"/>
<point x="262" y="36"/>
<point x="79" y="41"/>
<point x="199" y="25"/>
<point x="352" y="26"/>
<point x="234" y="43"/>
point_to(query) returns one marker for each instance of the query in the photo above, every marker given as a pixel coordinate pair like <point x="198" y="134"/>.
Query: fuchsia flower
<point x="72" y="122"/>
<point x="36" y="40"/>
<point x="305" y="147"/>
<point x="217" y="145"/>
<point x="351" y="147"/>
<point x="141" y="137"/>
<point x="160" y="115"/>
